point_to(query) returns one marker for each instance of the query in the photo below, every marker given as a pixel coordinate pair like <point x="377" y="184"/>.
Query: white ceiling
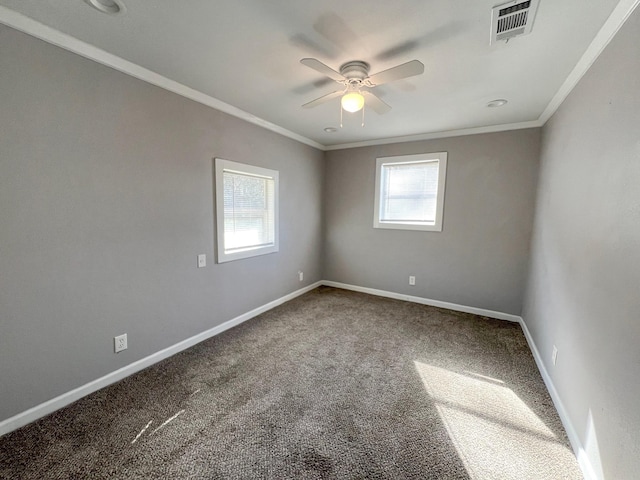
<point x="243" y="57"/>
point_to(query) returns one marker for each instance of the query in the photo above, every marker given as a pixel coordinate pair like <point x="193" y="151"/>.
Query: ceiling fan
<point x="357" y="82"/>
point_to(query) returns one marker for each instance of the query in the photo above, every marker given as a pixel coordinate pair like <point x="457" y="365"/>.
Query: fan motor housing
<point x="355" y="70"/>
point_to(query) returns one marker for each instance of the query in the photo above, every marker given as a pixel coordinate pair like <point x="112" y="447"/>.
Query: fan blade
<point x="397" y="50"/>
<point x="409" y="69"/>
<point x="323" y="99"/>
<point x="307" y="44"/>
<point x="433" y="37"/>
<point x="318" y="66"/>
<point x="336" y="30"/>
<point x="311" y="86"/>
<point x="374" y="102"/>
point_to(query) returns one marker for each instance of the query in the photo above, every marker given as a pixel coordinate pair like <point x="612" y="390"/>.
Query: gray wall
<point x="106" y="199"/>
<point x="583" y="291"/>
<point x="480" y="257"/>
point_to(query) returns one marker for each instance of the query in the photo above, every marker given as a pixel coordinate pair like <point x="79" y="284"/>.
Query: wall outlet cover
<point x="120" y="342"/>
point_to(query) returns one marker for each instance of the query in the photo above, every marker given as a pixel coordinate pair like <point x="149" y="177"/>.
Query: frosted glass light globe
<point x="352" y="102"/>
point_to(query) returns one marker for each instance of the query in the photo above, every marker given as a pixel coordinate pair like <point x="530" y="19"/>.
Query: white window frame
<point x="222" y="165"/>
<point x="436" y="226"/>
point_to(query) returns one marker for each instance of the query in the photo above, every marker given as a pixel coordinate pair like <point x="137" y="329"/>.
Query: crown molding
<point x="620" y="14"/>
<point x="50" y="35"/>
<point x="435" y="135"/>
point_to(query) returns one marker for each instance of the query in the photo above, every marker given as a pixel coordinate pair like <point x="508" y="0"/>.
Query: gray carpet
<point x="333" y="384"/>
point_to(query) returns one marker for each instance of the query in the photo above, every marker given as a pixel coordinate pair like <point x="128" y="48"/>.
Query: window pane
<point x="248" y="211"/>
<point x="409" y="192"/>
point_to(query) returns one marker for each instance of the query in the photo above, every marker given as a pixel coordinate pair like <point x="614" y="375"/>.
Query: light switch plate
<point x="202" y="260"/>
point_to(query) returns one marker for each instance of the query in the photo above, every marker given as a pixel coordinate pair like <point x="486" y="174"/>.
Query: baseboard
<point x="578" y="449"/>
<point x="67" y="398"/>
<point x="426" y="301"/>
<point x="583" y="460"/>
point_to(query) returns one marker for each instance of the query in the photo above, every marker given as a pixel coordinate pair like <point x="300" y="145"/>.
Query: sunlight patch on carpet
<point x="494" y="432"/>
<point x="168" y="420"/>
<point x="141" y="432"/>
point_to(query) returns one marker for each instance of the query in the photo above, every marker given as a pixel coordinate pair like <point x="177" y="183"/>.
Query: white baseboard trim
<point x="578" y="449"/>
<point x="67" y="398"/>
<point x="583" y="460"/>
<point x="426" y="301"/>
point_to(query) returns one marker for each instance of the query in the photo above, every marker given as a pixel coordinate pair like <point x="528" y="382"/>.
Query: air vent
<point x="512" y="19"/>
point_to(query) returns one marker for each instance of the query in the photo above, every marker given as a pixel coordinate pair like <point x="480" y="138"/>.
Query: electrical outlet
<point x="412" y="280"/>
<point x="202" y="260"/>
<point x="300" y="275"/>
<point x="554" y="355"/>
<point x="120" y="342"/>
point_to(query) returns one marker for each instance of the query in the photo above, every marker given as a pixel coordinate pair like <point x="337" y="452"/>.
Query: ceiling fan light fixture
<point x="111" y="7"/>
<point x="352" y="102"/>
<point x="497" y="103"/>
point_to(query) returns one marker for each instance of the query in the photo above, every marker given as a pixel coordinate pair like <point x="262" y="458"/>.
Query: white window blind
<point x="409" y="192"/>
<point x="249" y="220"/>
<point x="246" y="210"/>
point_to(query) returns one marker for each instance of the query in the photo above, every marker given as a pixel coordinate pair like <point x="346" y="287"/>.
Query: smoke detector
<point x="512" y="19"/>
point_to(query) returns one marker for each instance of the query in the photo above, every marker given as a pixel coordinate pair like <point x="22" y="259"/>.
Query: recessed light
<point x="497" y="103"/>
<point x="331" y="129"/>
<point x="112" y="7"/>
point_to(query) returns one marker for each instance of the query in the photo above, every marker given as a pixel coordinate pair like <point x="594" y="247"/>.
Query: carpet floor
<point x="333" y="384"/>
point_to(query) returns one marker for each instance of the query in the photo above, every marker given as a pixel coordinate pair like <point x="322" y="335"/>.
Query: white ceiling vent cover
<point x="512" y="19"/>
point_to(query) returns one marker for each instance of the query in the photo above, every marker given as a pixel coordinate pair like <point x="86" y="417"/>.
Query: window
<point x="410" y="192"/>
<point x="246" y="210"/>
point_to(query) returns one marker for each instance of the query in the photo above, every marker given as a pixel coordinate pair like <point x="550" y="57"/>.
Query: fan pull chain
<point x="363" y="115"/>
<point x="340" y="116"/>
